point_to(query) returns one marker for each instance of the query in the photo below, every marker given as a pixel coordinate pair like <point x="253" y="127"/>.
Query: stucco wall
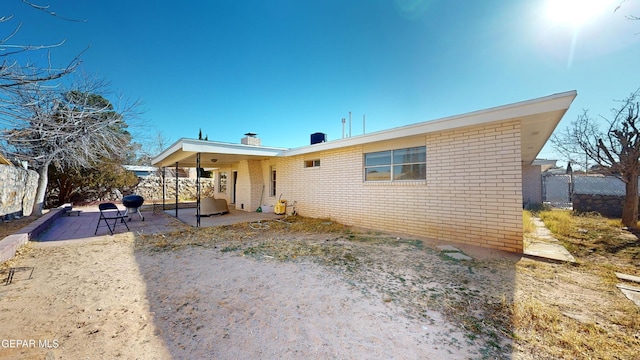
<point x="532" y="185"/>
<point x="17" y="190"/>
<point x="472" y="194"/>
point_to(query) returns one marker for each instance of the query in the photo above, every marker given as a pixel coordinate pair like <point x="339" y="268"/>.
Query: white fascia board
<point x="169" y="151"/>
<point x="545" y="104"/>
<point x="203" y="146"/>
<point x="190" y="146"/>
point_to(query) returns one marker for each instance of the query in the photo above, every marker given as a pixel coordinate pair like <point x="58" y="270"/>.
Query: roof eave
<point x="186" y="148"/>
<point x="555" y="102"/>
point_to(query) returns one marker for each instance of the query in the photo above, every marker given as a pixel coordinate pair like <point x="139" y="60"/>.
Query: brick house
<point x="455" y="179"/>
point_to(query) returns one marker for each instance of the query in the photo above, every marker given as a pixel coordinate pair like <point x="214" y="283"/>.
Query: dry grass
<point x="514" y="309"/>
<point x="510" y="308"/>
<point x="241" y="235"/>
<point x="576" y="311"/>
<point x="395" y="270"/>
<point x="569" y="313"/>
<point x="528" y="226"/>
<point x="596" y="241"/>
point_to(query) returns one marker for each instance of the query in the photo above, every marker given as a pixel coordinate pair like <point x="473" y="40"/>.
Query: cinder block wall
<point x="472" y="194"/>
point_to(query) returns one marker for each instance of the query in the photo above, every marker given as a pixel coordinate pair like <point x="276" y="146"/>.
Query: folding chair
<point x="107" y="213"/>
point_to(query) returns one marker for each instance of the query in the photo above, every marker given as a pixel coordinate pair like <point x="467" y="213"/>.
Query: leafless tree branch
<point x="12" y="75"/>
<point x="45" y="8"/>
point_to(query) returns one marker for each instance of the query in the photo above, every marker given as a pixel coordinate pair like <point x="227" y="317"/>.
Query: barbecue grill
<point x="133" y="204"/>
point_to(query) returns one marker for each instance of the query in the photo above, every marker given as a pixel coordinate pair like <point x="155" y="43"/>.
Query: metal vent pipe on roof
<point x="363" y="122"/>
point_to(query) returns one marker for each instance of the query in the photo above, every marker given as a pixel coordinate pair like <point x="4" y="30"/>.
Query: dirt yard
<point x="285" y="293"/>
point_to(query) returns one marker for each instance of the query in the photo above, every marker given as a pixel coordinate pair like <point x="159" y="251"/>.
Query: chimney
<point x="250" y="139"/>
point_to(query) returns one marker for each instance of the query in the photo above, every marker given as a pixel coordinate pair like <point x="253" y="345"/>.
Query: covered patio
<point x="240" y="187"/>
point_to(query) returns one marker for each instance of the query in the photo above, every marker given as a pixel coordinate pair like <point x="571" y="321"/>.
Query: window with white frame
<point x="396" y="165"/>
<point x="222" y="182"/>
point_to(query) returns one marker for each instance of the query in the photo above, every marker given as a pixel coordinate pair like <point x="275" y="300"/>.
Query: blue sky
<point x="287" y="68"/>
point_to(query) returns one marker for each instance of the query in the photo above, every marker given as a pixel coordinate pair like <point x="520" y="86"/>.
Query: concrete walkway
<point x="542" y="244"/>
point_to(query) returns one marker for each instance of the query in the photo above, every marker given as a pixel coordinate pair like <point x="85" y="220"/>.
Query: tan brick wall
<point x="472" y="194"/>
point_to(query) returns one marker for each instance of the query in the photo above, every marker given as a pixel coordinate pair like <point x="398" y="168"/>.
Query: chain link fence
<point x="557" y="190"/>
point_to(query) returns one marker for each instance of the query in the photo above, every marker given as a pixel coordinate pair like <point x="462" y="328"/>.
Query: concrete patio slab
<point x="83" y="226"/>
<point x="188" y="216"/>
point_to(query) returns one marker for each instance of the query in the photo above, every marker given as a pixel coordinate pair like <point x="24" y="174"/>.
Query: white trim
<point x="190" y="146"/>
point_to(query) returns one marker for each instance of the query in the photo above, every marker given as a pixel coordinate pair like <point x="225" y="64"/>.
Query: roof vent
<point x="250" y="139"/>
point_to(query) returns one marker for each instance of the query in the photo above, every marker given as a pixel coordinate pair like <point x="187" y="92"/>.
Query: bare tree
<point x="616" y="150"/>
<point x="66" y="127"/>
<point x="150" y="143"/>
<point x="12" y="73"/>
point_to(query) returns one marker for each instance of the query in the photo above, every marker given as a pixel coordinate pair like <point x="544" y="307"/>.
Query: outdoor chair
<point x="107" y="213"/>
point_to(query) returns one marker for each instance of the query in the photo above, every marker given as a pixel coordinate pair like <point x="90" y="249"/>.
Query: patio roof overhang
<point x="213" y="154"/>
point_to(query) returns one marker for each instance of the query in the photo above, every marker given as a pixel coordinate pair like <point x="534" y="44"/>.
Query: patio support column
<point x="198" y="190"/>
<point x="176" y="189"/>
<point x="164" y="185"/>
